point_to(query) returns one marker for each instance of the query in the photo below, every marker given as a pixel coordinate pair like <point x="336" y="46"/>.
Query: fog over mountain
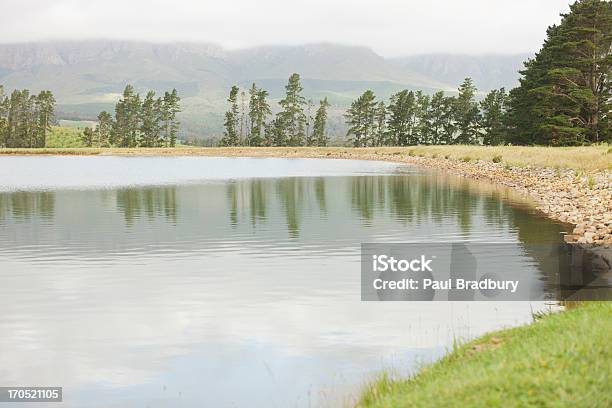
<point x="88" y="76"/>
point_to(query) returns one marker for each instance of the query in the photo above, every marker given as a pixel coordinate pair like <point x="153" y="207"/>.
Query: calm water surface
<point x="191" y="282"/>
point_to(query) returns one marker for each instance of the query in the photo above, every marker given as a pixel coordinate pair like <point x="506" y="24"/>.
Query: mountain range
<point x="88" y="76"/>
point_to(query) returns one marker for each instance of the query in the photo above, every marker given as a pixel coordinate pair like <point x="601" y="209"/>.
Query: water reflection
<point x="151" y="202"/>
<point x="409" y="201"/>
<point x="251" y="194"/>
<point x="24" y="205"/>
<point x="413" y="200"/>
<point x="235" y="292"/>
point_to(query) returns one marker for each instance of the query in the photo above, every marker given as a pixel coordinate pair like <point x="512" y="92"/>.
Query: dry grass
<point x="585" y="158"/>
<point x="597" y="157"/>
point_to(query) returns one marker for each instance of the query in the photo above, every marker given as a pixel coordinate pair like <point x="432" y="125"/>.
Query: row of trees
<point x="564" y="97"/>
<point x="415" y="118"/>
<point x="148" y="122"/>
<point x="25" y="119"/>
<point x="292" y="126"/>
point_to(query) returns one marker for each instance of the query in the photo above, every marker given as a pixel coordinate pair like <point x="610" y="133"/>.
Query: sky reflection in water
<point x="221" y="289"/>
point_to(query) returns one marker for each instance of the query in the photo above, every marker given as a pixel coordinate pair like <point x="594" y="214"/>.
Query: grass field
<point x="64" y="137"/>
<point x="585" y="158"/>
<point x="561" y="360"/>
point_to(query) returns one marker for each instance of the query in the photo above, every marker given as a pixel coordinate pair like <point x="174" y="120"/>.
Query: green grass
<point x="560" y="360"/>
<point x="64" y="137"/>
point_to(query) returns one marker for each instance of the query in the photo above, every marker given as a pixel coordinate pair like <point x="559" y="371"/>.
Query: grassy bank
<point x="561" y="360"/>
<point x="585" y="158"/>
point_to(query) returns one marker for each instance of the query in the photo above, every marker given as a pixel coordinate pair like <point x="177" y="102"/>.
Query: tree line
<point x="412" y="117"/>
<point x="294" y="125"/>
<point x="564" y="97"/>
<point x="148" y="122"/>
<point x="25" y="119"/>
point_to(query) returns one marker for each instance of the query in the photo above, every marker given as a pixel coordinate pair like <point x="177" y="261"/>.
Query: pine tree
<point x="159" y="115"/>
<point x="244" y="132"/>
<point x="309" y="140"/>
<point x="30" y="122"/>
<point x="119" y="129"/>
<point x="87" y="137"/>
<point x="255" y="133"/>
<point x="319" y="137"/>
<point x="360" y="119"/>
<point x="278" y="131"/>
<point x="170" y="107"/>
<point x="45" y="104"/>
<point x="466" y="113"/>
<point x="268" y="139"/>
<point x="523" y="122"/>
<point x="433" y="119"/>
<point x="493" y="108"/>
<point x="264" y="110"/>
<point x="20" y="122"/>
<point x="104" y="128"/>
<point x="449" y="127"/>
<point x="380" y="123"/>
<point x="231" y="137"/>
<point x="149" y="124"/>
<point x="401" y="119"/>
<point x="576" y="91"/>
<point x="127" y="119"/>
<point x="564" y="95"/>
<point x="420" y="133"/>
<point x="3" y="117"/>
<point x="133" y="108"/>
<point x="259" y="109"/>
<point x="292" y="116"/>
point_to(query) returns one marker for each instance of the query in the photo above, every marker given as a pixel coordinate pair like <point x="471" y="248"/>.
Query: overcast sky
<point x="390" y="27"/>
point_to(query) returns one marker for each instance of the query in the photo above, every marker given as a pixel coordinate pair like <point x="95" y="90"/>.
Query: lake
<point x="192" y="281"/>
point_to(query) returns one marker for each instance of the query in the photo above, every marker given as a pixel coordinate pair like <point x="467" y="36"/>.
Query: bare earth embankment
<point x="573" y="185"/>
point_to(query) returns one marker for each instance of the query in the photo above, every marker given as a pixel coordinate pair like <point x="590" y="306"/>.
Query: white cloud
<point x="390" y="27"/>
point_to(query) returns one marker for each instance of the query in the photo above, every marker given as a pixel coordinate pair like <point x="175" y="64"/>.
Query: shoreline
<point x="582" y="198"/>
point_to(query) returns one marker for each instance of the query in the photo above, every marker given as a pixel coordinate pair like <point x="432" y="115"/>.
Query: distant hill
<point x="488" y="71"/>
<point x="88" y="76"/>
